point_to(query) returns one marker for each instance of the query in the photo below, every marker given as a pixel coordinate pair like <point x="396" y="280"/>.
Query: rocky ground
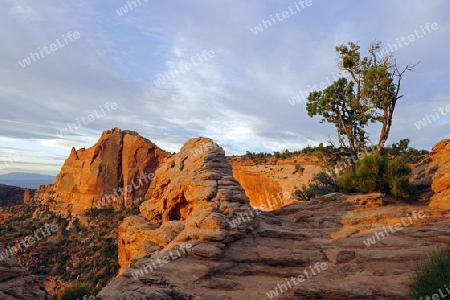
<point x="16" y="283"/>
<point x="369" y="244"/>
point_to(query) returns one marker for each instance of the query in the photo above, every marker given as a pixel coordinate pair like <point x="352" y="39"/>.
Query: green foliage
<point x="375" y="173"/>
<point x="322" y="184"/>
<point x="302" y="194"/>
<point x="298" y="168"/>
<point x="88" y="253"/>
<point x="367" y="94"/>
<point x="402" y="149"/>
<point x="76" y="291"/>
<point x="432" y="275"/>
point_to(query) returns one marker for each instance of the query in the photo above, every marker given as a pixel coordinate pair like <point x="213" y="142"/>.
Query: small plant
<point x="432" y="275"/>
<point x="324" y="183"/>
<point x="298" y="168"/>
<point x="76" y="291"/>
<point x="302" y="194"/>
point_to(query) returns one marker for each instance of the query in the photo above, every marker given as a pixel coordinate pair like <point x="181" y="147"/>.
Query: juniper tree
<point x="369" y="95"/>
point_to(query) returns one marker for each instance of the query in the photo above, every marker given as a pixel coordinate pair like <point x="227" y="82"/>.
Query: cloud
<point x="239" y="97"/>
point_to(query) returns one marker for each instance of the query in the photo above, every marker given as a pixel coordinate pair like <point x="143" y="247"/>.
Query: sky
<point x="70" y="70"/>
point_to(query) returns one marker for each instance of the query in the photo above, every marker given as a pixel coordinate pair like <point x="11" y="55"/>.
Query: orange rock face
<point x="440" y="155"/>
<point x="269" y="186"/>
<point x="27" y="195"/>
<point x="115" y="171"/>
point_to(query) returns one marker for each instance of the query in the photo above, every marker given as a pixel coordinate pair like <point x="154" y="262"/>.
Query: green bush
<point x="76" y="291"/>
<point x="431" y="275"/>
<point x="322" y="184"/>
<point x="375" y="173"/>
<point x="298" y="168"/>
<point x="302" y="194"/>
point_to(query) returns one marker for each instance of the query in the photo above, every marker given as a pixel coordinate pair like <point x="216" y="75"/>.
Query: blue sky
<point x="239" y="97"/>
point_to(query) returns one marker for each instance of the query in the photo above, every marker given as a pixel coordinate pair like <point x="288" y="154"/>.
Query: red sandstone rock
<point x="440" y="155"/>
<point x="115" y="171"/>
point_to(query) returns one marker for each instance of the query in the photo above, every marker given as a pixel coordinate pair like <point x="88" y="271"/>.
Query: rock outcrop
<point x="16" y="283"/>
<point x="332" y="247"/>
<point x="440" y="157"/>
<point x="115" y="171"/>
<point x="28" y="195"/>
<point x="44" y="193"/>
<point x="191" y="199"/>
<point x="269" y="186"/>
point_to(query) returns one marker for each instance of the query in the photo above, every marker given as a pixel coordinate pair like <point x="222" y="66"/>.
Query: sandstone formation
<point x="44" y="193"/>
<point x="191" y="199"/>
<point x="269" y="186"/>
<point x="16" y="283"/>
<point x="28" y="194"/>
<point x="115" y="171"/>
<point x="369" y="244"/>
<point x="440" y="156"/>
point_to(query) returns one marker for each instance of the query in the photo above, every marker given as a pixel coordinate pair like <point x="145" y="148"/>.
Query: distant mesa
<point x="13" y="195"/>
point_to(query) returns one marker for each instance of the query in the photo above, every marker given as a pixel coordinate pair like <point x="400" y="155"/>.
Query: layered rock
<point x="369" y="245"/>
<point x="269" y="186"/>
<point x="440" y="156"/>
<point x="16" y="283"/>
<point x="28" y="195"/>
<point x="366" y="246"/>
<point x="13" y="195"/>
<point x="191" y="199"/>
<point x="44" y="193"/>
<point x="115" y="171"/>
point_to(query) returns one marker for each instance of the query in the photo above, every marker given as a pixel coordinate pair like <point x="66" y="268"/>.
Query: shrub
<point x="375" y="173"/>
<point x="366" y="176"/>
<point x="302" y="194"/>
<point x="431" y="275"/>
<point x="324" y="183"/>
<point x="298" y="168"/>
<point x="76" y="291"/>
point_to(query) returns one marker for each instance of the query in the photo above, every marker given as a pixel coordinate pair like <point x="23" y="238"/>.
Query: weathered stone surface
<point x="269" y="186"/>
<point x="28" y="195"/>
<point x="440" y="155"/>
<point x="369" y="200"/>
<point x="266" y="249"/>
<point x="16" y="283"/>
<point x="192" y="198"/>
<point x="44" y="193"/>
<point x="114" y="172"/>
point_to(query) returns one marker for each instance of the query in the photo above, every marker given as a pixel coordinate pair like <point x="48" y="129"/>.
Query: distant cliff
<point x="116" y="171"/>
<point x="13" y="195"/>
